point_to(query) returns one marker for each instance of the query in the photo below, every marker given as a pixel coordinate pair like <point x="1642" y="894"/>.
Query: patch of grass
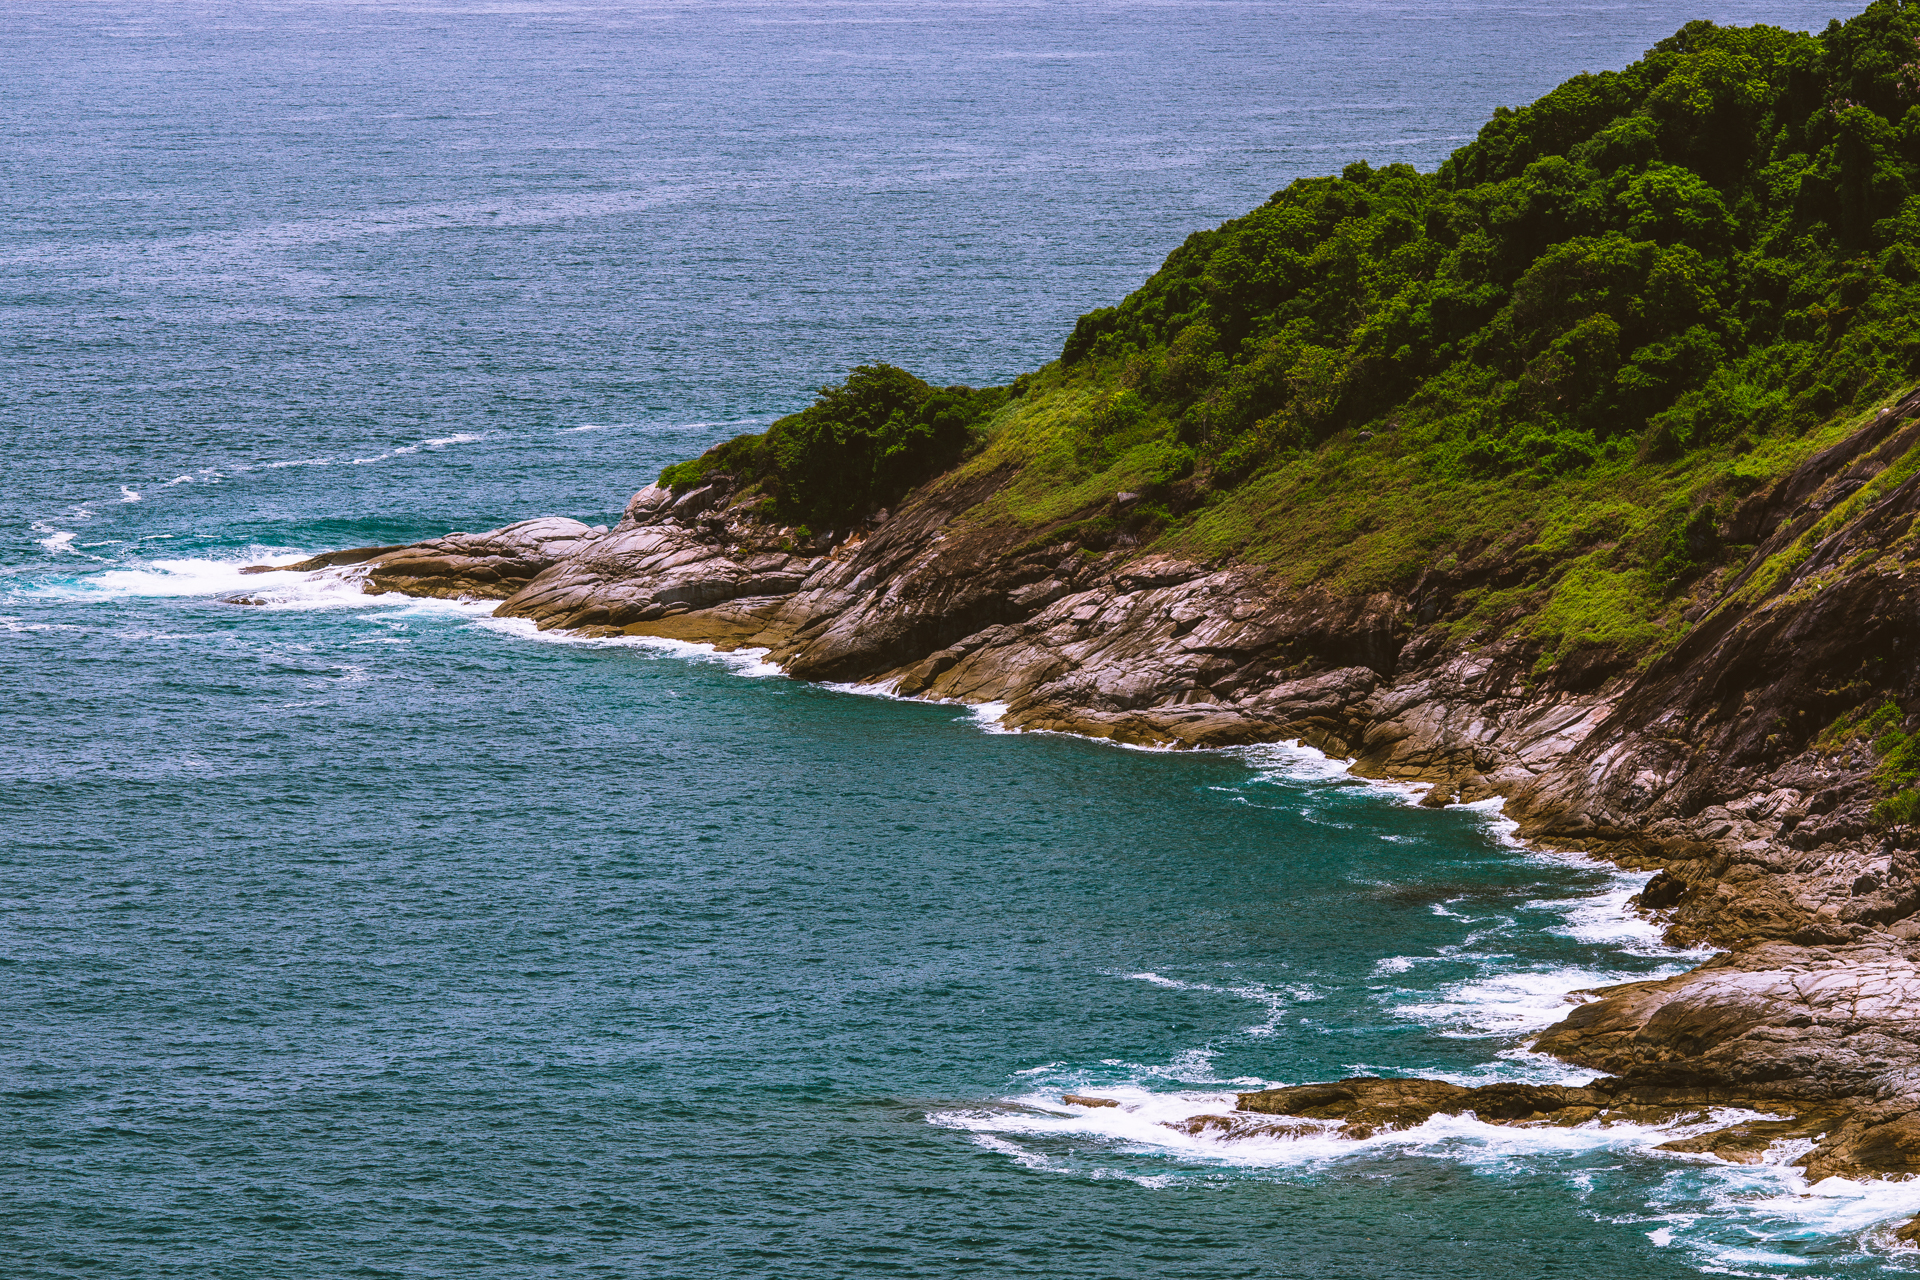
<point x="1896" y="751"/>
<point x="1594" y="605"/>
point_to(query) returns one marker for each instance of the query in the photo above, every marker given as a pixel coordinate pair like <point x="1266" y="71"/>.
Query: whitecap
<point x="128" y="494"/>
<point x="1726" y="1216"/>
<point x="16" y="623"/>
<point x="438" y="442"/>
<point x="1015" y="1152"/>
<point x="57" y="540"/>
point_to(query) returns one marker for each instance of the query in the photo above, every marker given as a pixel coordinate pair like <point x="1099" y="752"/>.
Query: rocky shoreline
<point x="1714" y="763"/>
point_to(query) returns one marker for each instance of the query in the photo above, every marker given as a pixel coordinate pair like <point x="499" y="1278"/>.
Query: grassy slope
<point x="1356" y="516"/>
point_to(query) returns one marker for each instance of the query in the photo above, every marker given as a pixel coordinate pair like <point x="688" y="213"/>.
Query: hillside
<point x="1531" y="389"/>
<point x="1577" y="474"/>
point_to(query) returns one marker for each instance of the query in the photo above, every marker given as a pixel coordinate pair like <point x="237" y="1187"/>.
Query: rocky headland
<point x="1580" y="472"/>
<point x="1706" y="764"/>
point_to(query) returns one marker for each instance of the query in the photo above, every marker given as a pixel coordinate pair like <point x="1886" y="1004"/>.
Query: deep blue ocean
<point x="354" y="936"/>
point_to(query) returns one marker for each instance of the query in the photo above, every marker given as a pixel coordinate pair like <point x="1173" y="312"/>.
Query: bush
<point x="860" y="446"/>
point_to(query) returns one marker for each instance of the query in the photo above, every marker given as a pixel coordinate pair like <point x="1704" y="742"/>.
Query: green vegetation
<point x="1570" y="352"/>
<point x="860" y="446"/>
<point x="1715" y="244"/>
<point x="1895" y="748"/>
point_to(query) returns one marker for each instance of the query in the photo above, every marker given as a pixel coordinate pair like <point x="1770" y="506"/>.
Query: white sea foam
<point x="1507" y="1003"/>
<point x="128" y="494"/>
<point x="1276" y="1000"/>
<point x="19" y="624"/>
<point x="1296" y="763"/>
<point x="1726" y="1216"/>
<point x="1492" y="815"/>
<point x="277" y="589"/>
<point x="878" y="689"/>
<point x="745" y="662"/>
<point x="399" y="451"/>
<point x="1608" y="919"/>
<point x="1151" y="1122"/>
<point x="56" y="540"/>
<point x="988" y="716"/>
<point x="182" y="577"/>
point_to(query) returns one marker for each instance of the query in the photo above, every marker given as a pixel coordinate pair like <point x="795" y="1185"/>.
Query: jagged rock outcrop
<point x="1708" y="764"/>
<point x="480" y="566"/>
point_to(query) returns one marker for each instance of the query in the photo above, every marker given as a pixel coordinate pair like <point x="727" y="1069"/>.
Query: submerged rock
<point x="1367" y="1105"/>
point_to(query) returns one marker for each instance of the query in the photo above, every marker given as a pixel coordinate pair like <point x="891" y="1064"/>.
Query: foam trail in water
<point x="440" y="442"/>
<point x="128" y="494"/>
<point x="1173" y="1124"/>
<point x="987" y="715"/>
<point x="745" y="662"/>
<point x="1276" y="1000"/>
<point x="278" y="589"/>
<point x="667" y="426"/>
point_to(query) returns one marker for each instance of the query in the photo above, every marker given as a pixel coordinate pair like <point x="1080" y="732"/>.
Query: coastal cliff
<point x="1582" y="474"/>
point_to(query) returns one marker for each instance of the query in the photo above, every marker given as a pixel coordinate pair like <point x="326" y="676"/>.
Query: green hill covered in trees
<point x="1577" y="345"/>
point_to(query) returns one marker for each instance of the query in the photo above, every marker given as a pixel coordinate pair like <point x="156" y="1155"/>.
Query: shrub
<point x="861" y="445"/>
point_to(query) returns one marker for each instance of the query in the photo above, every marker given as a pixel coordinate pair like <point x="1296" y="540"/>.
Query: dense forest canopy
<point x="1721" y="240"/>
<point x="858" y="447"/>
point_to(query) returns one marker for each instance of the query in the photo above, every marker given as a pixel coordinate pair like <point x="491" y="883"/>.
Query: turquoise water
<point x="354" y="936"/>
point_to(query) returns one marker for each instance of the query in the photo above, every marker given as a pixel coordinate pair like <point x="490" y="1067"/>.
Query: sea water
<point x="365" y="936"/>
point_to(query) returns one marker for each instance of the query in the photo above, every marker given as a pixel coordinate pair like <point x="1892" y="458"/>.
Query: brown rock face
<point x="1793" y="1025"/>
<point x="1708" y="765"/>
<point x="482" y="566"/>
